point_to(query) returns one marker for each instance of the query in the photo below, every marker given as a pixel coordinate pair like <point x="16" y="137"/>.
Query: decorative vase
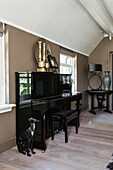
<point x="107" y="80"/>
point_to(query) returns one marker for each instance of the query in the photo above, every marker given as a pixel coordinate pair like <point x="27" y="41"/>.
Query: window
<point x="25" y="86"/>
<point x="68" y="66"/>
<point x="4" y="74"/>
<point x="25" y="83"/>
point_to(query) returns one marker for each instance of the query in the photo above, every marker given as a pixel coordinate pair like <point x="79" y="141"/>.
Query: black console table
<point x="101" y="96"/>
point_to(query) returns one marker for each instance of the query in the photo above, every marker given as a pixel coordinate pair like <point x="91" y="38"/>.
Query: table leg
<point x="79" y="110"/>
<point x="107" y="104"/>
<point x="92" y="105"/>
<point x="43" y="131"/>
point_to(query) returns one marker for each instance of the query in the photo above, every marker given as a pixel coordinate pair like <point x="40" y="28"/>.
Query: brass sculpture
<point x="41" y="51"/>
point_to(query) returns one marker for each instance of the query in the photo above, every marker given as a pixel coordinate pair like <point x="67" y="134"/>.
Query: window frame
<point x="4" y="72"/>
<point x="73" y="66"/>
<point x="2" y="69"/>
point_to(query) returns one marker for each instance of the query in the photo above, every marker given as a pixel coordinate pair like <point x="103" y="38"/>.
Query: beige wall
<point x="82" y="78"/>
<point x="100" y="56"/>
<point x="7" y="130"/>
<point x="21" y="55"/>
<point x="21" y="58"/>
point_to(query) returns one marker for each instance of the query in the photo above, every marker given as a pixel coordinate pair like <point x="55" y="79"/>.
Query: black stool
<point x="64" y="117"/>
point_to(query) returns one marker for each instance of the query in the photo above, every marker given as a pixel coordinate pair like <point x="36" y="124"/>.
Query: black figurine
<point x="25" y="140"/>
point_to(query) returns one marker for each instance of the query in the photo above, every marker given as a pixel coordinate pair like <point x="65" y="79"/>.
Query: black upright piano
<point x="38" y="93"/>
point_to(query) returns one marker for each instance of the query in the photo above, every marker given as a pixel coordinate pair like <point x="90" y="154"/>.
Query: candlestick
<point x="40" y="56"/>
<point x="44" y="57"/>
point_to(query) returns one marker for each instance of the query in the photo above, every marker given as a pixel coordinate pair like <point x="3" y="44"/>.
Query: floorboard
<point x="90" y="149"/>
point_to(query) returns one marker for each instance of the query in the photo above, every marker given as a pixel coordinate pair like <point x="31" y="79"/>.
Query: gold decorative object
<point x="41" y="64"/>
<point x="44" y="55"/>
<point x="41" y="69"/>
<point x="40" y="54"/>
<point x="41" y="51"/>
<point x="47" y="65"/>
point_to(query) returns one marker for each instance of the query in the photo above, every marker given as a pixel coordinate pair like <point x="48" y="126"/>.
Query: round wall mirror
<point x="95" y="82"/>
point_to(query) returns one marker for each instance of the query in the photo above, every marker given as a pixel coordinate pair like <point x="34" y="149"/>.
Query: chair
<point x="64" y="117"/>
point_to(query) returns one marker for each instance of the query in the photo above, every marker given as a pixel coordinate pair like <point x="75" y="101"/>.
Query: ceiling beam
<point x="110" y="8"/>
<point x="99" y="17"/>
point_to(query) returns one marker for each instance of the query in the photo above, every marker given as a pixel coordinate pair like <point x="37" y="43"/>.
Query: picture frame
<point x="52" y="62"/>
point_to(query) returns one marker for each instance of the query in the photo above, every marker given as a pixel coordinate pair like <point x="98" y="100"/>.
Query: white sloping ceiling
<point x="102" y="12"/>
<point x="68" y="23"/>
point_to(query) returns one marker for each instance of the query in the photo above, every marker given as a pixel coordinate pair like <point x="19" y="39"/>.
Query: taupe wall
<point x="21" y="59"/>
<point x="21" y="55"/>
<point x="100" y="56"/>
<point x="82" y="78"/>
<point x="7" y="130"/>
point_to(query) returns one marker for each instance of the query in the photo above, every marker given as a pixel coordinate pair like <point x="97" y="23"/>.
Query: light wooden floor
<point x="89" y="150"/>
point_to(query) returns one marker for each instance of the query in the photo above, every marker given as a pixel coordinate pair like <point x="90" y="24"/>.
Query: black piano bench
<point x="64" y="117"/>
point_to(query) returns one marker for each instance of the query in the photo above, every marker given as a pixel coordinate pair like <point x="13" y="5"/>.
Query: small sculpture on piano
<point x="25" y="140"/>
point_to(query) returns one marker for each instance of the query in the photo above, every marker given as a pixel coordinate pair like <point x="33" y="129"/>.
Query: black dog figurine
<point x="25" y="140"/>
